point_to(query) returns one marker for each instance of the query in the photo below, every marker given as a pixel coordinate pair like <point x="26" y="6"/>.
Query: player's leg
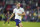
<point x="17" y="22"/>
<point x="8" y="20"/>
<point x="5" y="20"/>
<point x="17" y="25"/>
<point x="20" y="24"/>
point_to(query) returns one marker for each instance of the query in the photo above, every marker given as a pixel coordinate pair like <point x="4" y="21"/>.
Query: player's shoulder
<point x="15" y="8"/>
<point x="21" y="8"/>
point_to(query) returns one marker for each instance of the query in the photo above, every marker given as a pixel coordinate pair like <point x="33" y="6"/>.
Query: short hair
<point x="17" y="3"/>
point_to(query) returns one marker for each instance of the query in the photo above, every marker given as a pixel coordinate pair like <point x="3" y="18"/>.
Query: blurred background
<point x="31" y="7"/>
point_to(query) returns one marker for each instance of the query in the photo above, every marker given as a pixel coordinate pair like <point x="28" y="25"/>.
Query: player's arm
<point x="11" y="15"/>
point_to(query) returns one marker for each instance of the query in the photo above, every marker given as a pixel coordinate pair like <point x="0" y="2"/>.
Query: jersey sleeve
<point x="22" y="10"/>
<point x="13" y="10"/>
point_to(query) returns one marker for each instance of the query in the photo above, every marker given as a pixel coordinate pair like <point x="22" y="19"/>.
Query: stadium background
<point x="31" y="7"/>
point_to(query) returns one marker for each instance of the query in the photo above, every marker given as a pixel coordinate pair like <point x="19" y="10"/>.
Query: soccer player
<point x="18" y="11"/>
<point x="7" y="17"/>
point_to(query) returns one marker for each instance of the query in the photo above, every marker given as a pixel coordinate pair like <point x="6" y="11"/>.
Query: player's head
<point x="8" y="12"/>
<point x="18" y="4"/>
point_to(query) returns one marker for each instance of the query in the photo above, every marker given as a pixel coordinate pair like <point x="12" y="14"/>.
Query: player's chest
<point x="18" y="11"/>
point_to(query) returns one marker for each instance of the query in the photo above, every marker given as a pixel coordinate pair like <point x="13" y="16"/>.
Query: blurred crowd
<point x="31" y="8"/>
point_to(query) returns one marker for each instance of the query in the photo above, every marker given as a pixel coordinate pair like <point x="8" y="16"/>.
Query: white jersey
<point x="16" y="11"/>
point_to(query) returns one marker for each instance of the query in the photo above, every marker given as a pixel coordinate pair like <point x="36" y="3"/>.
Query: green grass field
<point x="25" y="24"/>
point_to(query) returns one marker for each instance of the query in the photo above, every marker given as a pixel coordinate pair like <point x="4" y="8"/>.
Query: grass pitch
<point x="25" y="24"/>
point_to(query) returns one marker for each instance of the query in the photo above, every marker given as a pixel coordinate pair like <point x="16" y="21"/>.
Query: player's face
<point x="18" y="5"/>
<point x="8" y="12"/>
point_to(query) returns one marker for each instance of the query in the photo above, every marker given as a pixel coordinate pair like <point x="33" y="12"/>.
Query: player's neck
<point x="18" y="7"/>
